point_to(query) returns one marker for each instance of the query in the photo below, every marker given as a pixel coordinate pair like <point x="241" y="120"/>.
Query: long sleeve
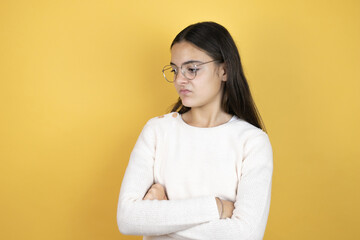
<point x="152" y="217"/>
<point x="252" y="200"/>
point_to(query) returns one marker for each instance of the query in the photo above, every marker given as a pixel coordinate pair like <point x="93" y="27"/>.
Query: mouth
<point x="184" y="91"/>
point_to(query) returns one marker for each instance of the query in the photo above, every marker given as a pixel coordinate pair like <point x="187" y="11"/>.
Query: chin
<point x="187" y="103"/>
<point x="190" y="104"/>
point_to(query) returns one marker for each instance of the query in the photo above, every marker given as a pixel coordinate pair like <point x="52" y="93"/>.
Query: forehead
<point x="185" y="51"/>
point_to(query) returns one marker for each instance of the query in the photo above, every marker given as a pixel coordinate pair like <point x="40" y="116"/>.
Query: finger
<point x="158" y="186"/>
<point x="149" y="196"/>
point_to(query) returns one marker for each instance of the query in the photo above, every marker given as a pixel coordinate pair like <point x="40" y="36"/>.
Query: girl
<point x="203" y="171"/>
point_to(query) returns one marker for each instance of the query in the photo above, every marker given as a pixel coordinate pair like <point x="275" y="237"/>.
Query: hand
<point x="156" y="191"/>
<point x="227" y="208"/>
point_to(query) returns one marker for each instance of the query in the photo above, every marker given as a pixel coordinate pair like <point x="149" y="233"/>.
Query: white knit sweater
<point x="232" y="161"/>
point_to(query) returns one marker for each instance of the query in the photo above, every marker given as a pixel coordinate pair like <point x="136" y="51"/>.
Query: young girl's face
<point x="206" y="88"/>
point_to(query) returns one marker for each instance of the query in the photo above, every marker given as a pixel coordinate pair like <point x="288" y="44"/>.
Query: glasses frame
<point x="166" y="67"/>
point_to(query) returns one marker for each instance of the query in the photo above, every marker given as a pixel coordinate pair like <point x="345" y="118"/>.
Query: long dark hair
<point x="217" y="42"/>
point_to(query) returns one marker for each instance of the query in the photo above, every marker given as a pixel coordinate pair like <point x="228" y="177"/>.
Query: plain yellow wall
<point x="79" y="79"/>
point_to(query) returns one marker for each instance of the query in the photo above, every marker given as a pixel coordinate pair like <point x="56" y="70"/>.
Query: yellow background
<point x="79" y="79"/>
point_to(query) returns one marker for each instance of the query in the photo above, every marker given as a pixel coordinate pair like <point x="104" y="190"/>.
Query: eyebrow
<point x="190" y="61"/>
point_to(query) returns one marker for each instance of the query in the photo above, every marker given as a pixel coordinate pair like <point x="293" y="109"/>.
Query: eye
<point x="174" y="71"/>
<point x="192" y="69"/>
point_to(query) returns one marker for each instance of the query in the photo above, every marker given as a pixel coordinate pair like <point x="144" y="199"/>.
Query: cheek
<point x="177" y="87"/>
<point x="210" y="87"/>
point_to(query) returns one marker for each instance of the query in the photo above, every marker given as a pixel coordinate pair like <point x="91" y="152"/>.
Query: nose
<point x="180" y="79"/>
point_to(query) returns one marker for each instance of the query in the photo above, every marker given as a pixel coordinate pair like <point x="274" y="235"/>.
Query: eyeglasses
<point x="188" y="70"/>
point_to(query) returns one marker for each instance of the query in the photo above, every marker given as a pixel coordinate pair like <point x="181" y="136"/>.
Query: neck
<point x="200" y="117"/>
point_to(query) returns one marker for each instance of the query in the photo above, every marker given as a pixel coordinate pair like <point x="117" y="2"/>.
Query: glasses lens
<point x="169" y="73"/>
<point x="190" y="70"/>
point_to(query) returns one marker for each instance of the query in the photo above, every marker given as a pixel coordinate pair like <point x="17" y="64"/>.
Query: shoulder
<point x="162" y="122"/>
<point x="244" y="128"/>
<point x="163" y="119"/>
<point x="255" y="144"/>
<point x="248" y="134"/>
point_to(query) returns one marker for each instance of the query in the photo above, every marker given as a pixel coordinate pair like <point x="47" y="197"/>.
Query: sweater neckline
<point x="215" y="127"/>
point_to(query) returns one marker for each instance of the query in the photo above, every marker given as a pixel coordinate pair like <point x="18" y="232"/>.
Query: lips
<point x="184" y="91"/>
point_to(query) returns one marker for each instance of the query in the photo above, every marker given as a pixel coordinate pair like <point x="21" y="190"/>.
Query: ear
<point x="223" y="72"/>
